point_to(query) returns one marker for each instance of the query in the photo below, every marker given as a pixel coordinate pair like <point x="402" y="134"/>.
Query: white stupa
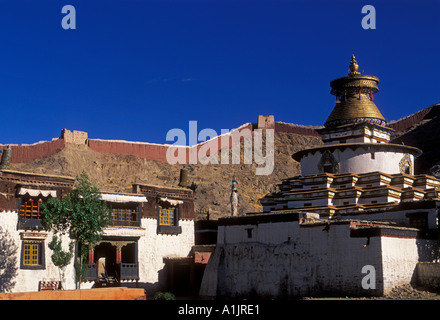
<point x="357" y="168"/>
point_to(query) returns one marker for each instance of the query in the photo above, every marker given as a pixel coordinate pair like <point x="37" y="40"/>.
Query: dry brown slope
<point x="119" y="172"/>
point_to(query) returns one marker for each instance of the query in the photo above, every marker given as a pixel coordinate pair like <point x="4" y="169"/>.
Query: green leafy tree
<point x="81" y="214"/>
<point x="60" y="258"/>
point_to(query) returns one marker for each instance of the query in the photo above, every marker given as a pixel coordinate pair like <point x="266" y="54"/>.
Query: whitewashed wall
<point x="287" y="259"/>
<point x="356" y="161"/>
<point x="28" y="280"/>
<point x="284" y="259"/>
<point x="400" y="257"/>
<point x="152" y="248"/>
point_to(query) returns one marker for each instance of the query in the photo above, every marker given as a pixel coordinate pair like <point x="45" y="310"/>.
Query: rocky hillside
<point x="425" y="135"/>
<point x="213" y="182"/>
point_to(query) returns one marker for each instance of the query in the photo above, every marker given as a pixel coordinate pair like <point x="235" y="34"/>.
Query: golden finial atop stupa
<point x="354" y="67"/>
<point x="354" y="98"/>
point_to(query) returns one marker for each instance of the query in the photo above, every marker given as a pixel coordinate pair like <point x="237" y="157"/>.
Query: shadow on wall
<point x="429" y="255"/>
<point x="428" y="248"/>
<point x="8" y="263"/>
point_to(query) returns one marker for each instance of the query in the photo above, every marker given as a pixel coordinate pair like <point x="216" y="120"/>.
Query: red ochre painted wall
<point x="157" y="152"/>
<point x="28" y="153"/>
<point x="149" y="151"/>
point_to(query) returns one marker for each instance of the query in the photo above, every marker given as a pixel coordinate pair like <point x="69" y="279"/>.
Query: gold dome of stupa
<point x="354" y="94"/>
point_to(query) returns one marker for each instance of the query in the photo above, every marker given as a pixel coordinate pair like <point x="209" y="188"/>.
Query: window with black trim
<point x="419" y="220"/>
<point x="32" y="254"/>
<point x="125" y="214"/>
<point x="168" y="218"/>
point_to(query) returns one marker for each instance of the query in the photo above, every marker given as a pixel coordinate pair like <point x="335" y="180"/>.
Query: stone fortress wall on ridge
<point x="25" y="153"/>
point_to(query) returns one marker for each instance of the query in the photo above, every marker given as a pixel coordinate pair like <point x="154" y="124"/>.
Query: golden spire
<point x="354" y="67"/>
<point x="354" y="102"/>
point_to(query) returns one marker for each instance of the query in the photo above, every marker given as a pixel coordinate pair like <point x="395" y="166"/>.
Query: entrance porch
<point x="112" y="261"/>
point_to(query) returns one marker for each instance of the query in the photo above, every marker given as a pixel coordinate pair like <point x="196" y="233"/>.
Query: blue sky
<point x="133" y="70"/>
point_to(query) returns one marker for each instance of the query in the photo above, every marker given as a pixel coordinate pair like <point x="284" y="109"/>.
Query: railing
<point x="92" y="272"/>
<point x="129" y="271"/>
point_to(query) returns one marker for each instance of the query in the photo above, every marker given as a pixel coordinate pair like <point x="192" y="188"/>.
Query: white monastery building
<point x="356" y="222"/>
<point x="148" y="243"/>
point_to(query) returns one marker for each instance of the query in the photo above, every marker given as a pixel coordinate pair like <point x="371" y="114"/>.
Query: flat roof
<point x="37" y="174"/>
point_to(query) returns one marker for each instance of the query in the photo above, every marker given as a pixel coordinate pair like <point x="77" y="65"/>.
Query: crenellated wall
<point x="29" y="152"/>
